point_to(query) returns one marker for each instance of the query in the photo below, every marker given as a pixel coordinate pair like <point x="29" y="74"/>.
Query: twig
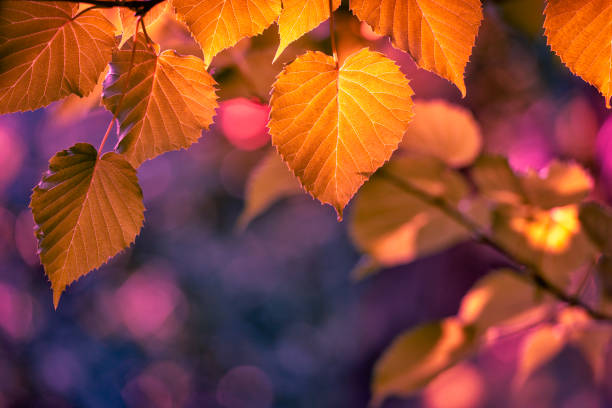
<point x="140" y="7"/>
<point x="332" y="33"/>
<point x="530" y="271"/>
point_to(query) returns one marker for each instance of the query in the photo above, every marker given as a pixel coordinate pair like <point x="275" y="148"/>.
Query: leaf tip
<point x="57" y="294"/>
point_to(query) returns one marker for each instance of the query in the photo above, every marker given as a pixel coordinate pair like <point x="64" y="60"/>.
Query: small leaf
<point x="129" y="20"/>
<point x="439" y="34"/>
<point x="448" y="132"/>
<point x="502" y="298"/>
<point x="538" y="348"/>
<point x="299" y="17"/>
<point x="47" y="54"/>
<point x="335" y="127"/>
<point x="168" y="101"/>
<point x="417" y="356"/>
<point x="495" y="179"/>
<point x="220" y="24"/>
<point x="87" y="209"/>
<point x="269" y="182"/>
<point x="597" y="223"/>
<point x="579" y="32"/>
<point x="393" y="226"/>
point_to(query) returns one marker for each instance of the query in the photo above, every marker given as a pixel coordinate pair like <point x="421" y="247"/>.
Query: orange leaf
<point x="439" y="34"/>
<point x="129" y="20"/>
<point x="220" y="24"/>
<point x="336" y="126"/>
<point x="579" y="32"/>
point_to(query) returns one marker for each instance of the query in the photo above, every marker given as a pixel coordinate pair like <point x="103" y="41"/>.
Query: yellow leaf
<point x="579" y="32"/>
<point x="448" y="132"/>
<point x="539" y="348"/>
<point x="439" y="34"/>
<point x="87" y="209"/>
<point x="269" y="182"/>
<point x="393" y="226"/>
<point x="417" y="356"/>
<point x="129" y="20"/>
<point x="336" y="126"/>
<point x="170" y="99"/>
<point x="299" y="17"/>
<point x="47" y="54"/>
<point x="220" y="24"/>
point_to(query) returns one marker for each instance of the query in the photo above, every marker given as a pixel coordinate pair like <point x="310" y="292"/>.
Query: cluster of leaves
<point x="334" y="124"/>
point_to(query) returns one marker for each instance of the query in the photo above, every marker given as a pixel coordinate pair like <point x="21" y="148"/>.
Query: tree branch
<point x="530" y="270"/>
<point x="140" y="7"/>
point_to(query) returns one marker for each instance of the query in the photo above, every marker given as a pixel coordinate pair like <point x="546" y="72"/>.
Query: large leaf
<point x="417" y="356"/>
<point x="269" y="182"/>
<point x="299" y="17"/>
<point x="439" y="34"/>
<point x="448" y="132"/>
<point x="87" y="210"/>
<point x="579" y="31"/>
<point x="47" y="54"/>
<point x="336" y="126"/>
<point x="168" y="101"/>
<point x="393" y="225"/>
<point x="220" y="24"/>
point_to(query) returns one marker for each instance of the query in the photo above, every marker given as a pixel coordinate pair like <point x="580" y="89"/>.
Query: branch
<point x="531" y="271"/>
<point x="140" y="7"/>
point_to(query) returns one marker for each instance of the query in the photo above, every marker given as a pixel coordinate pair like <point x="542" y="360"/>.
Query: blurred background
<point x="198" y="314"/>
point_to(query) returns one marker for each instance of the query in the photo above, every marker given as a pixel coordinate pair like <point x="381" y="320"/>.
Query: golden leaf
<point x="439" y="34"/>
<point x="580" y="33"/>
<point x="220" y="24"/>
<point x="168" y="101"/>
<point x="336" y="126"/>
<point x="47" y="54"/>
<point x="129" y="20"/>
<point x="87" y="210"/>
<point x="299" y="17"/>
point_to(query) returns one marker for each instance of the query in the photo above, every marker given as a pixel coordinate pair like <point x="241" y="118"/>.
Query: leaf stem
<point x="530" y="271"/>
<point x="140" y="7"/>
<point x="332" y="32"/>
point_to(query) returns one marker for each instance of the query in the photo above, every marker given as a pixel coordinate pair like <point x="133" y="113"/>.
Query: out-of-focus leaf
<point x="269" y="182"/>
<point x="220" y="24"/>
<point x="448" y="132"/>
<point x="299" y="17"/>
<point x="129" y="20"/>
<point x="168" y="101"/>
<point x="597" y="223"/>
<point x="73" y="107"/>
<point x="87" y="210"/>
<point x="439" y="34"/>
<point x="538" y="348"/>
<point x="579" y="32"/>
<point x="47" y="54"/>
<point x="336" y="126"/>
<point x="393" y="226"/>
<point x="502" y="298"/>
<point x="593" y="342"/>
<point x="417" y="356"/>
<point x="604" y="274"/>
<point x="496" y="180"/>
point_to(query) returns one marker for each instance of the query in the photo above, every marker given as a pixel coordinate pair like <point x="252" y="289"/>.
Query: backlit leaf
<point x="580" y="33"/>
<point x="269" y="182"/>
<point x="439" y="34"/>
<point x="496" y="180"/>
<point x="87" y="210"/>
<point x="336" y="126"/>
<point x="448" y="132"/>
<point x="129" y="20"/>
<point x="417" y="356"/>
<point x="170" y="99"/>
<point x="597" y="223"/>
<point x="299" y="17"/>
<point x="220" y="24"/>
<point x="46" y="54"/>
<point x="393" y="226"/>
<point x="538" y="348"/>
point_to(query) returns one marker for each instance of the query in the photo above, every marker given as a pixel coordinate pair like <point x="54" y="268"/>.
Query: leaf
<point x="299" y="17"/>
<point x="269" y="182"/>
<point x="443" y="130"/>
<point x="336" y="126"/>
<point x="593" y="342"/>
<point x="439" y="34"/>
<point x="495" y="179"/>
<point x="47" y="54"/>
<point x="87" y="209"/>
<point x="538" y="348"/>
<point x="579" y="32"/>
<point x="393" y="226"/>
<point x="168" y="101"/>
<point x="417" y="356"/>
<point x="502" y="299"/>
<point x="220" y="24"/>
<point x="129" y="20"/>
<point x="597" y="223"/>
